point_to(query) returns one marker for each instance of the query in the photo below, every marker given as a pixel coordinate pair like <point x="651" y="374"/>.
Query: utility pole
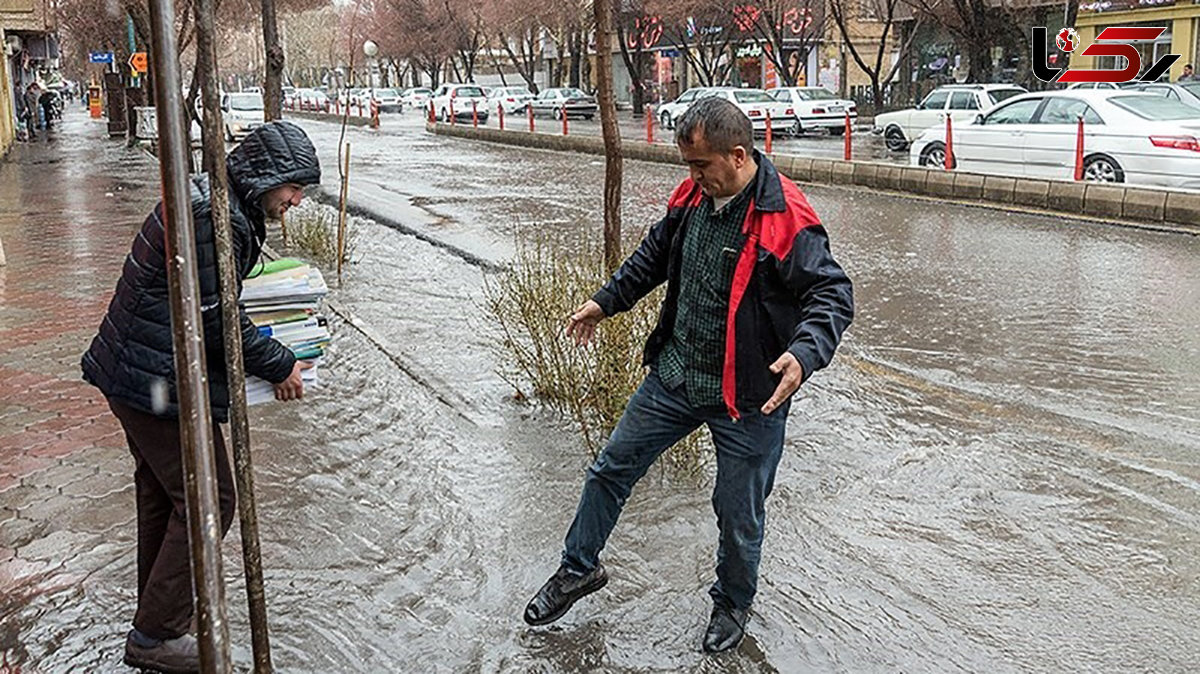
<point x="273" y="83"/>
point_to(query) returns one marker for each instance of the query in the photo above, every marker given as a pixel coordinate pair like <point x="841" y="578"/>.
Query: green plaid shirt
<point x="694" y="356"/>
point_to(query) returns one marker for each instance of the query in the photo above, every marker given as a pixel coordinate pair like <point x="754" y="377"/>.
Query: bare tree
<point x="613" y="162"/>
<point x="704" y="32"/>
<point x="872" y="64"/>
<point x="787" y="29"/>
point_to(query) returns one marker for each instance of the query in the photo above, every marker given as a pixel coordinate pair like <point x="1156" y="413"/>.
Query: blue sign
<point x="100" y="57"/>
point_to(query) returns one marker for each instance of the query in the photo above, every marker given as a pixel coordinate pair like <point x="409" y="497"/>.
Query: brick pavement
<point x="69" y="208"/>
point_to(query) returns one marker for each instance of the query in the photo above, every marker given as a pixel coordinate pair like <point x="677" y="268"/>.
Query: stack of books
<point x="284" y="302"/>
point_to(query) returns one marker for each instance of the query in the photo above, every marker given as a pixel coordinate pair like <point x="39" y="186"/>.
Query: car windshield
<point x="512" y="91"/>
<point x="1155" y="108"/>
<point x="818" y="94"/>
<point x="246" y="101"/>
<point x="1001" y="95"/>
<point x="390" y="93"/>
<point x="469" y="91"/>
<point x="573" y="93"/>
<point x="752" y="96"/>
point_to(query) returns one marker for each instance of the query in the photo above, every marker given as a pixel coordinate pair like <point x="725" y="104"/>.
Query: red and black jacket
<point x="788" y="293"/>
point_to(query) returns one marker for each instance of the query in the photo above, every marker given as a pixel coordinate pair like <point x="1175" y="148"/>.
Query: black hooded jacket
<point x="131" y="359"/>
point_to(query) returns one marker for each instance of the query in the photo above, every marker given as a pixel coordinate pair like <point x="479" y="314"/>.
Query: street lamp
<point x="372" y="50"/>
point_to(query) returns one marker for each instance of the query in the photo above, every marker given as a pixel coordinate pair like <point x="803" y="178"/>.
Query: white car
<point x="816" y="108"/>
<point x="311" y="99"/>
<point x="388" y="100"/>
<point x="242" y="113"/>
<point x="1129" y="137"/>
<point x="757" y="104"/>
<point x="669" y="112"/>
<point x="961" y="101"/>
<point x="417" y="97"/>
<point x="513" y="99"/>
<point x="461" y="100"/>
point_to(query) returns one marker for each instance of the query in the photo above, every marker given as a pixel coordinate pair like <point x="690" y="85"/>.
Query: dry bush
<point x="312" y="232"/>
<point x="531" y="303"/>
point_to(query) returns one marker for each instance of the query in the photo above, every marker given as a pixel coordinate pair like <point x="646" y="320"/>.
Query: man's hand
<point x="582" y="324"/>
<point x="793" y="373"/>
<point x="292" y="388"/>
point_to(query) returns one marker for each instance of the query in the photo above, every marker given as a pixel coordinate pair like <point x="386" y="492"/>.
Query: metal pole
<point x="341" y="233"/>
<point x="214" y="166"/>
<point x="183" y="289"/>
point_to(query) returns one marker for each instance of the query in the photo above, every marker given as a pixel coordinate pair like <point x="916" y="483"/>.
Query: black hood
<point x="274" y="154"/>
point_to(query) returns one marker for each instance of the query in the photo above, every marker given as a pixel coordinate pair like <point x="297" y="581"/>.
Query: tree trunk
<point x="576" y="57"/>
<point x="613" y="167"/>
<point x="273" y="86"/>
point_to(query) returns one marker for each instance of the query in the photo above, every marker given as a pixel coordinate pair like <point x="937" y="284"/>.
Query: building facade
<point x="1181" y="18"/>
<point x="28" y="38"/>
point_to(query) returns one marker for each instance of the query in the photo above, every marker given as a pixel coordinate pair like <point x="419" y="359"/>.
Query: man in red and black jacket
<point x="755" y="304"/>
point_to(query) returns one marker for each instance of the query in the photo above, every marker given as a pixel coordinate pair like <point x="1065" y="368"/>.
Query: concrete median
<point x="1142" y="205"/>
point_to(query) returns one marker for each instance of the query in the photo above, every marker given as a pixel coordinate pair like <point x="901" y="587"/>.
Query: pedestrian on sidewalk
<point x="131" y="361"/>
<point x="31" y="109"/>
<point x="755" y="304"/>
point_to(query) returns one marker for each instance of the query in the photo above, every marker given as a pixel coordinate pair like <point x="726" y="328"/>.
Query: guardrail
<point x="1146" y="206"/>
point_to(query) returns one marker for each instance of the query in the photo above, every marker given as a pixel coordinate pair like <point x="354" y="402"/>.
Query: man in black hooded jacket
<point x="131" y="360"/>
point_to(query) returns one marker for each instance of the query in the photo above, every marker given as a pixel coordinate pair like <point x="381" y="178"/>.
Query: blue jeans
<point x="748" y="452"/>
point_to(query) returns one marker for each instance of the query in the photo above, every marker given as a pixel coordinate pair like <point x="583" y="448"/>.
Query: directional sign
<point x="138" y="62"/>
<point x="100" y="57"/>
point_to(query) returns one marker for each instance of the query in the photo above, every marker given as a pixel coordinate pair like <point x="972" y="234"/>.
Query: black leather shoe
<point x="725" y="630"/>
<point x="561" y="592"/>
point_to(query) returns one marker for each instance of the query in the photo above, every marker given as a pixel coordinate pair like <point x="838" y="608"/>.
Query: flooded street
<point x="998" y="473"/>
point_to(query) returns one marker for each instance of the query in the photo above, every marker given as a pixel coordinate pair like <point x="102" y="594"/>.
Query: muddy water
<point x="997" y="474"/>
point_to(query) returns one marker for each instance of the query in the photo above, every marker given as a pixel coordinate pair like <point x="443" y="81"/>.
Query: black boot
<point x="726" y="627"/>
<point x="561" y="592"/>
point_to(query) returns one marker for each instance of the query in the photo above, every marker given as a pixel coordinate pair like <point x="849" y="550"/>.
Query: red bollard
<point x="374" y="114"/>
<point x="564" y="116"/>
<point x="451" y="112"/>
<point x="475" y="114"/>
<point x="500" y="111"/>
<point x="949" y="143"/>
<point x="1079" y="150"/>
<point x="768" y="143"/>
<point x="649" y="125"/>
<point x="432" y="116"/>
<point x="846" y="149"/>
<point x="529" y="108"/>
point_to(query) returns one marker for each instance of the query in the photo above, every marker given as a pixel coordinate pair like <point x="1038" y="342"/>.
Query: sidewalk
<point x="69" y="207"/>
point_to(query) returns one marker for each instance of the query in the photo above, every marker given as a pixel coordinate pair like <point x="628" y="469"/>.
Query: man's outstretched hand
<point x="581" y="326"/>
<point x="793" y="373"/>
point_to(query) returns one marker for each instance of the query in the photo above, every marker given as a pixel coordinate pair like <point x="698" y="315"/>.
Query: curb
<point x="1121" y="205"/>
<point x="351" y="120"/>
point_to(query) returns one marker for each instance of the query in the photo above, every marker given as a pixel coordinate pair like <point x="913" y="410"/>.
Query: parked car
<point x="311" y="99"/>
<point x="757" y="104"/>
<point x="574" y="102"/>
<point x="1134" y="137"/>
<point x="462" y="99"/>
<point x="961" y="101"/>
<point x="1187" y="93"/>
<point x="668" y="113"/>
<point x="513" y="99"/>
<point x="417" y="97"/>
<point x="388" y="100"/>
<point x="816" y="108"/>
<point x="242" y="113"/>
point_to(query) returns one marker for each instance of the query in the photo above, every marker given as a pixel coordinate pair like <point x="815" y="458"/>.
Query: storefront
<point x="1180" y="18"/>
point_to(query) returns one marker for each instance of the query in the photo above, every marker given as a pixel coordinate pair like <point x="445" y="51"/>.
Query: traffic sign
<point x="100" y="57"/>
<point x="138" y="62"/>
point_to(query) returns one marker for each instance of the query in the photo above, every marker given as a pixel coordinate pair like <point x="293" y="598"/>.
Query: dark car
<point x="554" y="102"/>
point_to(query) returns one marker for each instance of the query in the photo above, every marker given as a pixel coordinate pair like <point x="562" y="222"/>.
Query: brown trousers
<point x="164" y="557"/>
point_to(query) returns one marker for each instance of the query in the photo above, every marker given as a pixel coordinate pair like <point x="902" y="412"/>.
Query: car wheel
<point x="837" y="130"/>
<point x="796" y="129"/>
<point x="934" y="155"/>
<point x="558" y="114"/>
<point x="1102" y="168"/>
<point x="665" y="120"/>
<point x="894" y="138"/>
